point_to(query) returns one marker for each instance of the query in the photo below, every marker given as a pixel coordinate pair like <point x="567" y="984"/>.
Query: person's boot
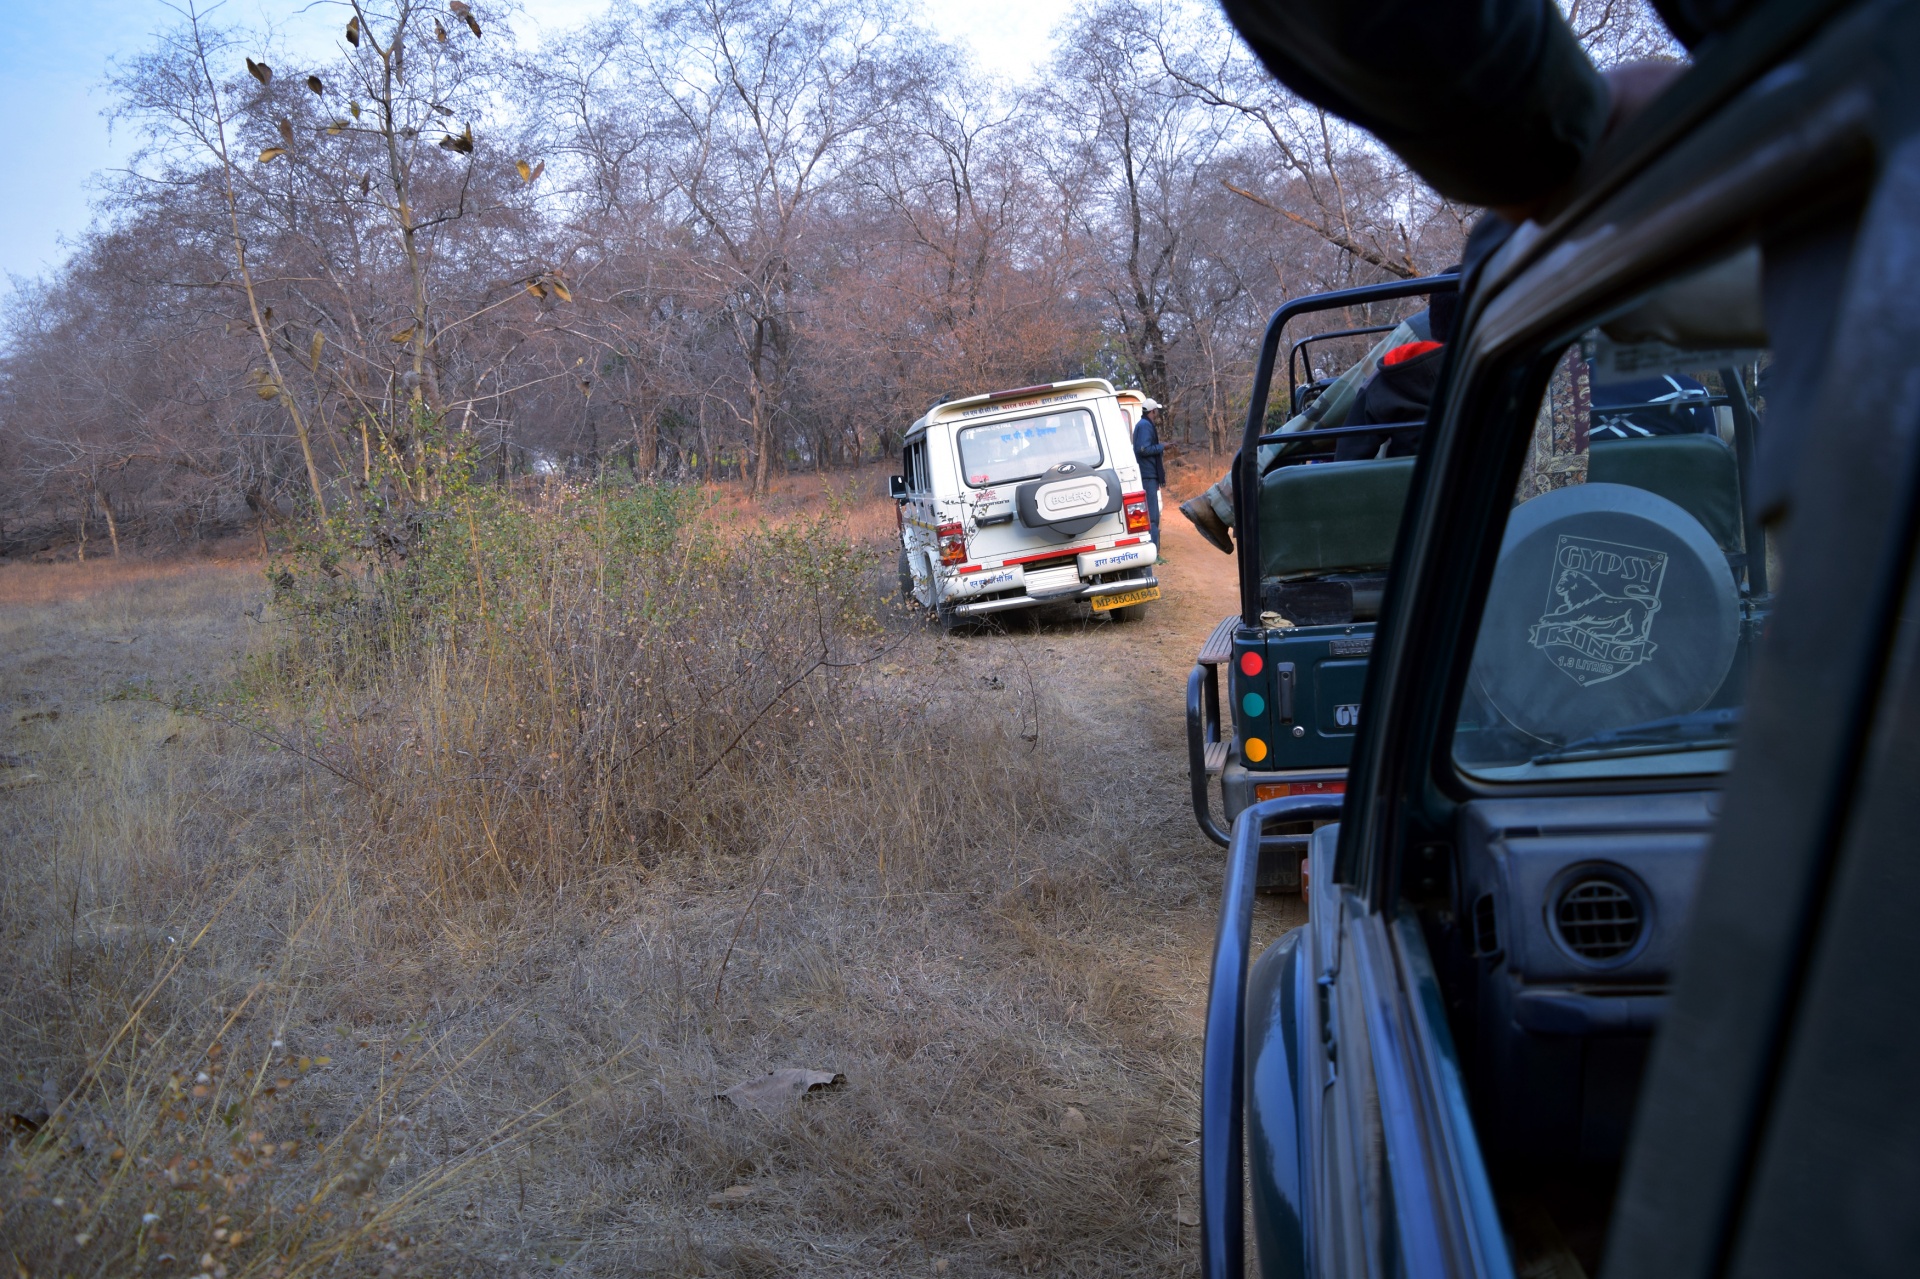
<point x="1211" y="526"/>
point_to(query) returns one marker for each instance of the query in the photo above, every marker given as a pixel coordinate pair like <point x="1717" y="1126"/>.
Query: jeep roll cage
<point x="1246" y="464"/>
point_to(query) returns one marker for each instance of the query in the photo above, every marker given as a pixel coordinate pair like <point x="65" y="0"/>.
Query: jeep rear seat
<point x="1697" y="473"/>
<point x="1343" y="517"/>
<point x="1332" y="517"/>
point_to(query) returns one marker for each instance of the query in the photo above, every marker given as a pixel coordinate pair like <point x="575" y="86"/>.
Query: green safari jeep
<point x="1314" y="553"/>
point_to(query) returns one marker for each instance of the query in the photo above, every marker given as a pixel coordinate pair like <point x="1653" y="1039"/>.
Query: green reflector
<point x="1254" y="704"/>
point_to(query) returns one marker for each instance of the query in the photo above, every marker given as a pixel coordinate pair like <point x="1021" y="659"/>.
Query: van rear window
<point x="1004" y="452"/>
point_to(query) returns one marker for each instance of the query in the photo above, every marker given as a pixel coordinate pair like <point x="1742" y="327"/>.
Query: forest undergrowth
<point x="421" y="936"/>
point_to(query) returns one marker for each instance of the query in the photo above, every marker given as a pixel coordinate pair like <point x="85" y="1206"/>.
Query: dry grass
<point x="526" y="881"/>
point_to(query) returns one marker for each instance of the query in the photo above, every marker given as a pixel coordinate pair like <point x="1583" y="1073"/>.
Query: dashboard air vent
<point x="1598" y="919"/>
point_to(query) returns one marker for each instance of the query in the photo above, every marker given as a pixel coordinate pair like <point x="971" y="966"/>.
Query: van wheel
<point x="906" y="579"/>
<point x="1131" y="613"/>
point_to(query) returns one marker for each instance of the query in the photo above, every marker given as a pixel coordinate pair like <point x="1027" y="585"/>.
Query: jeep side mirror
<point x="897" y="487"/>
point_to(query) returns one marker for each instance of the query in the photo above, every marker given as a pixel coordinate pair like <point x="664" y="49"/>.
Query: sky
<point x="58" y="53"/>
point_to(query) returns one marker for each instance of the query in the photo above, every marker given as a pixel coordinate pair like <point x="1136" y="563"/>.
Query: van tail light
<point x="953" y="543"/>
<point x="1135" y="506"/>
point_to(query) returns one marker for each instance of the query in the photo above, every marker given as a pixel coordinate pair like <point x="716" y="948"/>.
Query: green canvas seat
<point x="1697" y="473"/>
<point x="1332" y="517"/>
<point x="1342" y="517"/>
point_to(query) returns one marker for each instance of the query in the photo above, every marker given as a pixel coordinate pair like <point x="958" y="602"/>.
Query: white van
<point x="1025" y="497"/>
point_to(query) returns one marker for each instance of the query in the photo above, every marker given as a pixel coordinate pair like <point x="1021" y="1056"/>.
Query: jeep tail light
<point x="953" y="544"/>
<point x="1278" y="790"/>
<point x="1135" y="505"/>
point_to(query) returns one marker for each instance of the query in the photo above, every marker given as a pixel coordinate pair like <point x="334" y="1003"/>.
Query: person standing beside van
<point x="1153" y="468"/>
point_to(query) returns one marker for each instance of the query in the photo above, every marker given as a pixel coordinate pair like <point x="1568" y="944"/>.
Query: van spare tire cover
<point x="1067" y="499"/>
<point x="1611" y="606"/>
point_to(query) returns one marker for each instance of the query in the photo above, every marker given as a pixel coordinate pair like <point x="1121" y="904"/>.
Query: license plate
<point x="1104" y="602"/>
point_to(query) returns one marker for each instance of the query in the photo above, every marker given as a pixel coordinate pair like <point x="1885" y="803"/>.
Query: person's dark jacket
<point x="1493" y="102"/>
<point x="1399" y="392"/>
<point x="1147" y="447"/>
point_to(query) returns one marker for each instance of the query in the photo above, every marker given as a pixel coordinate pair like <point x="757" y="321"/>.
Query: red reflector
<point x="1126" y="541"/>
<point x="970" y="568"/>
<point x="1280" y="790"/>
<point x="1251" y="663"/>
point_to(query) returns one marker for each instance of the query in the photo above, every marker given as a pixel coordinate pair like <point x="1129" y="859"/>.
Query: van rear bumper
<point x="1008" y="602"/>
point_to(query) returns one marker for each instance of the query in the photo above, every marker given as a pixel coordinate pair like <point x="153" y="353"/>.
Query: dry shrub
<point x="588" y="811"/>
<point x="612" y="681"/>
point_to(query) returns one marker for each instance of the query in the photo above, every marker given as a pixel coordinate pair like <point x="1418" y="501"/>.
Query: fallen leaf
<point x="439" y="32"/>
<point x="440" y="108"/>
<point x="314" y="349"/>
<point x="366" y="181"/>
<point x="336" y="128"/>
<point x="1187" y="1216"/>
<point x="354" y="109"/>
<point x="463" y="144"/>
<point x="404" y="335"/>
<point x="538" y="169"/>
<point x="353" y="32"/>
<point x="776" y="1090"/>
<point x="286" y="130"/>
<point x="260" y="71"/>
<point x="271" y="154"/>
<point x="560" y="290"/>
<point x="526" y="173"/>
<point x="1073" y="1120"/>
<point x="464" y="12"/>
<point x="536" y="289"/>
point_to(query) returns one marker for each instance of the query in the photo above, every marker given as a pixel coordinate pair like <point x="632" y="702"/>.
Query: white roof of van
<point x="994" y="403"/>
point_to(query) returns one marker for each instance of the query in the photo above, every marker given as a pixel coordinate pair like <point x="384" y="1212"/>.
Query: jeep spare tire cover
<point x="1067" y="499"/>
<point x="1611" y="606"/>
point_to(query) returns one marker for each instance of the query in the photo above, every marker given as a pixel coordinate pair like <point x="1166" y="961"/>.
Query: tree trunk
<point x="113" y="528"/>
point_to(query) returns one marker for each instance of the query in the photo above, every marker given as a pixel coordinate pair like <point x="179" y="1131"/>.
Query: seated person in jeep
<point x="1393" y="383"/>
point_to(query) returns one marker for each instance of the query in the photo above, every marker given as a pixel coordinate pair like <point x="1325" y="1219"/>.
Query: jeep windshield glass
<point x="1019" y="449"/>
<point x="1631" y="584"/>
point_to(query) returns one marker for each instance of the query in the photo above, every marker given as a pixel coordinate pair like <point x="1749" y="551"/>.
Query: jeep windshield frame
<point x="986" y="478"/>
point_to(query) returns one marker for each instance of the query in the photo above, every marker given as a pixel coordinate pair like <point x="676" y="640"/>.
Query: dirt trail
<point x="1127" y="683"/>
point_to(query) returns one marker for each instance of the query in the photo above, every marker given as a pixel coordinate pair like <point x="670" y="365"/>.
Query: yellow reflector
<point x="1256" y="750"/>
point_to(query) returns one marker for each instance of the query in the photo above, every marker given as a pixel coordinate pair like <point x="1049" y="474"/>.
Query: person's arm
<point x="1493" y="102"/>
<point x="1146" y="440"/>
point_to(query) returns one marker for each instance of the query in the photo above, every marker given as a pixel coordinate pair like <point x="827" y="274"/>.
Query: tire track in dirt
<point x="1125" y="683"/>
